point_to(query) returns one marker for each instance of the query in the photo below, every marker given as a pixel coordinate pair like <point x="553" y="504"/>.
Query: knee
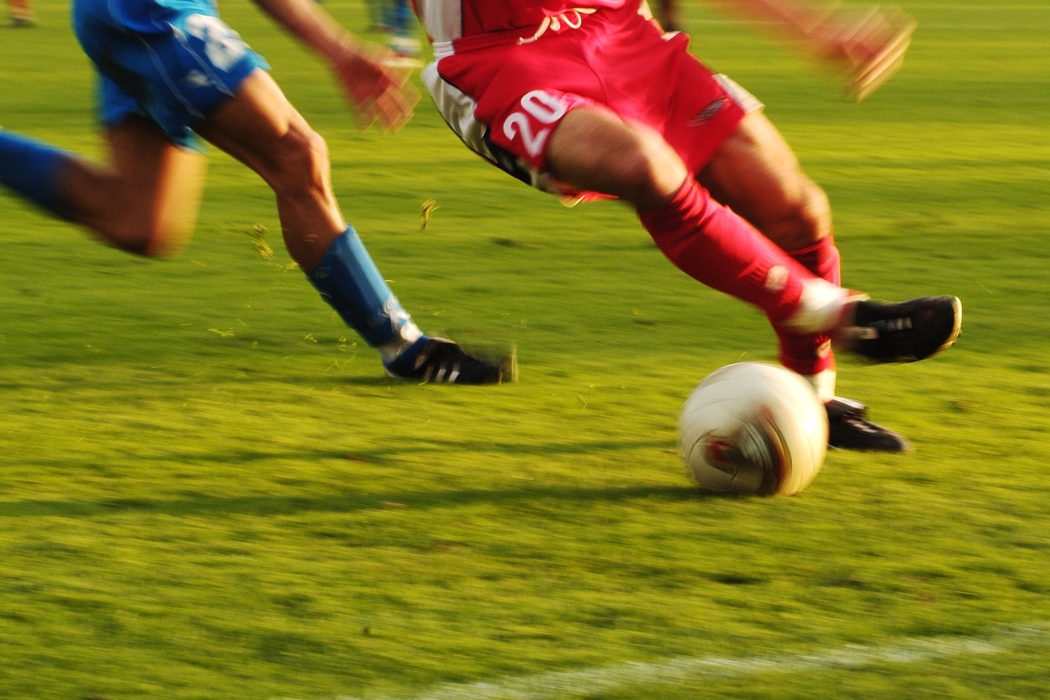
<point x="151" y="234"/>
<point x="594" y="151"/>
<point x="150" y="227"/>
<point x="649" y="172"/>
<point x="299" y="164"/>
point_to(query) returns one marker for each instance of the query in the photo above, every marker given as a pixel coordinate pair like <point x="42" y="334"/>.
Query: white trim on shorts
<point x="743" y="99"/>
<point x="457" y="108"/>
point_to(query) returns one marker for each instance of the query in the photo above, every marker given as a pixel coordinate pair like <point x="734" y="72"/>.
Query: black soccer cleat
<point x="850" y="429"/>
<point x="903" y="332"/>
<point x="443" y="361"/>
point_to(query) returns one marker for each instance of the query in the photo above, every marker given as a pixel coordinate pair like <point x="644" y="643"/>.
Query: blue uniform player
<point x="172" y="71"/>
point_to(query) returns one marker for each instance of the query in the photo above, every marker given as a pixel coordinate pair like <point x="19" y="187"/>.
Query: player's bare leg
<point x="594" y="150"/>
<point x="263" y="130"/>
<point x="145" y="201"/>
<point x="756" y="174"/>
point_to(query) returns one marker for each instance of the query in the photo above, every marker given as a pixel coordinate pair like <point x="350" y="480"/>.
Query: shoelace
<point x="556" y="22"/>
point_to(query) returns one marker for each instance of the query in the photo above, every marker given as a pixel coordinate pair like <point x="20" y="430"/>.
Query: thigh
<point x="757" y="175"/>
<point x="595" y="151"/>
<point x="249" y="126"/>
<point x="259" y="127"/>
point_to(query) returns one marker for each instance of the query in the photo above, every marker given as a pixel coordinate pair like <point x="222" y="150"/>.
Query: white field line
<point x="607" y="679"/>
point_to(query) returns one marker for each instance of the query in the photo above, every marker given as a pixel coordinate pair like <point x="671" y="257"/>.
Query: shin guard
<point x="349" y="281"/>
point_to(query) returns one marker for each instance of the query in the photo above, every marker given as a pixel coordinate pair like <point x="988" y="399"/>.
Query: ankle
<point x="822" y="308"/>
<point x="403" y="350"/>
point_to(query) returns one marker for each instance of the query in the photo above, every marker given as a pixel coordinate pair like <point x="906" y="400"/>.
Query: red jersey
<point x="448" y="21"/>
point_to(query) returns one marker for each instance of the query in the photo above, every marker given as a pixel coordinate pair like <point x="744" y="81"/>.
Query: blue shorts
<point x="171" y="61"/>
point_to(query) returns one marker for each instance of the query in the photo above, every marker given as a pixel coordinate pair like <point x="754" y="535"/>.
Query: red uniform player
<point x="590" y="98"/>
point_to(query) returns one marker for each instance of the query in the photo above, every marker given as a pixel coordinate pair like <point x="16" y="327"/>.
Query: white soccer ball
<point x="753" y="428"/>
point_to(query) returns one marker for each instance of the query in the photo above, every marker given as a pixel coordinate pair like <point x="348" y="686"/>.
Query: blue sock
<point x="33" y="170"/>
<point x="349" y="281"/>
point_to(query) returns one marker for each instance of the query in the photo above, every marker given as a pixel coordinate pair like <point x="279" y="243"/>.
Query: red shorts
<point x="504" y="100"/>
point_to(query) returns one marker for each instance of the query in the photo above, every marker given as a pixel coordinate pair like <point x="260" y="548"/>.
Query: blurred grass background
<point x="208" y="490"/>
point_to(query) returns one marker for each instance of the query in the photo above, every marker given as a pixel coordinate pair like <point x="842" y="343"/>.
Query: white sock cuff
<point x="823" y="384"/>
<point x="819" y="307"/>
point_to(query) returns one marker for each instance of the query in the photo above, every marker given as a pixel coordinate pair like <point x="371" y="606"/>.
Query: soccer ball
<point x="753" y="428"/>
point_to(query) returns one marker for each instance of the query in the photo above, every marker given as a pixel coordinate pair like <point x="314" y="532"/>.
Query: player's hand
<point x="377" y="91"/>
<point x="868" y="44"/>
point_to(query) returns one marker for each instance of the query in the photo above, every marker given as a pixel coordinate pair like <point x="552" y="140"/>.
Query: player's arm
<point x="868" y="43"/>
<point x="378" y="92"/>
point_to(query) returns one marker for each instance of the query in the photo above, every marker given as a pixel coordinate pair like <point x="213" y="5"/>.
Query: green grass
<point x="207" y="489"/>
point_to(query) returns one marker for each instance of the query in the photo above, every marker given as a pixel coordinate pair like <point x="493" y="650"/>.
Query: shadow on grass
<point x="389" y="453"/>
<point x="347" y="502"/>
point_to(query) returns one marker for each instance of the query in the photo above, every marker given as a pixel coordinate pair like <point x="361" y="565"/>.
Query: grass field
<point x="208" y="490"/>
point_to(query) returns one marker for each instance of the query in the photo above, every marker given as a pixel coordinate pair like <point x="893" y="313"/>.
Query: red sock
<point x="811" y="354"/>
<point x="711" y="244"/>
